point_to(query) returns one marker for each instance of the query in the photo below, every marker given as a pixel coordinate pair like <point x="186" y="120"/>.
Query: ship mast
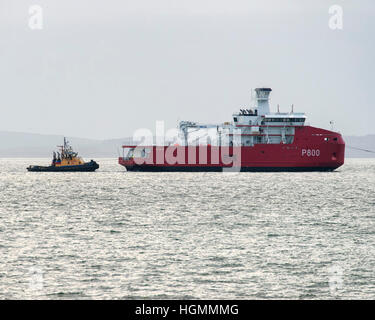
<point x="262" y="100"/>
<point x="66" y="150"/>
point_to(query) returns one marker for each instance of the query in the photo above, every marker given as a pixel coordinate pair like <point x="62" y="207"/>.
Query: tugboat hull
<point x="86" y="167"/>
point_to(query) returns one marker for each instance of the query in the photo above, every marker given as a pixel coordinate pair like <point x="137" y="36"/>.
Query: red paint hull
<point x="313" y="149"/>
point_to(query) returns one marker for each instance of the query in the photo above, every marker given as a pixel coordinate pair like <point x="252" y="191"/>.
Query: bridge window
<point x="285" y="119"/>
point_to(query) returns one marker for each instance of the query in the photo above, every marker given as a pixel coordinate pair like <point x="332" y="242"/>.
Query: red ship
<point x="256" y="140"/>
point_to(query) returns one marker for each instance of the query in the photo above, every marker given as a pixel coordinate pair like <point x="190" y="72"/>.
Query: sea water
<point x="113" y="234"/>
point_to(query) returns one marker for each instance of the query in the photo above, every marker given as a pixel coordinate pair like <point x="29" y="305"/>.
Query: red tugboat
<point x="256" y="140"/>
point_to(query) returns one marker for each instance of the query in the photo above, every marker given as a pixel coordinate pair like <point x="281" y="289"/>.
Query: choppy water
<point x="112" y="234"/>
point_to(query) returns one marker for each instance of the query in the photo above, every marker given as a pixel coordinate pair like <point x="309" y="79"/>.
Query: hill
<point x="29" y="145"/>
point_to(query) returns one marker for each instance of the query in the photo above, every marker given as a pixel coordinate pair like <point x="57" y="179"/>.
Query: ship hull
<point x="86" y="167"/>
<point x="148" y="168"/>
<point x="313" y="149"/>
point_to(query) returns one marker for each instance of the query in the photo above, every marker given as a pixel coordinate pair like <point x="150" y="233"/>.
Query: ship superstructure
<point x="255" y="126"/>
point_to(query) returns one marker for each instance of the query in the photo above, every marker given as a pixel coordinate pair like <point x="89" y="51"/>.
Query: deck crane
<point x="185" y="125"/>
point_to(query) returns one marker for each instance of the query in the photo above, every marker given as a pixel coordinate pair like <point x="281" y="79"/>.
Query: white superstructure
<point x="249" y="126"/>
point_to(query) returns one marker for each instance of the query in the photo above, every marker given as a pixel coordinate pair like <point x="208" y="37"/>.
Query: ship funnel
<point x="262" y="98"/>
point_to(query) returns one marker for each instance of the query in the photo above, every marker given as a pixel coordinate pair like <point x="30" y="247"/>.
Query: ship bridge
<point x="290" y="118"/>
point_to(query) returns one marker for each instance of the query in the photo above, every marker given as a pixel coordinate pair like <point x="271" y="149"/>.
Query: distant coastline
<point x="32" y="145"/>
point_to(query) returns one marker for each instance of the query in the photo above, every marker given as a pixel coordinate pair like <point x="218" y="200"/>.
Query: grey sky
<point x="102" y="69"/>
